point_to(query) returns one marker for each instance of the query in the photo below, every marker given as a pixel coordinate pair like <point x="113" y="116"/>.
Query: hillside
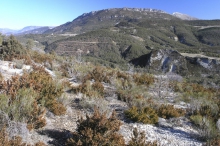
<point x="116" y="37"/>
<point x="107" y="18"/>
<point x="48" y="99"/>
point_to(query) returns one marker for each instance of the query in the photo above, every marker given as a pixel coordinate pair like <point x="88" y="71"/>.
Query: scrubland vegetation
<point x="27" y="99"/>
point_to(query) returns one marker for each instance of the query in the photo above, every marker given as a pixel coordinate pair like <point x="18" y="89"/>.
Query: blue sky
<point x="16" y="14"/>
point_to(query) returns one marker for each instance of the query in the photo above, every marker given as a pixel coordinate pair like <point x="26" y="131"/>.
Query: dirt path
<point x="199" y="55"/>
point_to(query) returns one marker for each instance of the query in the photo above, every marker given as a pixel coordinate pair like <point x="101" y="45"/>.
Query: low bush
<point x="25" y="97"/>
<point x="124" y="96"/>
<point x="193" y="89"/>
<point x="206" y="127"/>
<point x="11" y="49"/>
<point x="97" y="86"/>
<point x="49" y="90"/>
<point x="23" y="107"/>
<point x="89" y="103"/>
<point x="99" y="75"/>
<point x="213" y="142"/>
<point x="122" y="75"/>
<point x="18" y="63"/>
<point x="97" y="130"/>
<point x="139" y="139"/>
<point x="208" y="111"/>
<point x="144" y="79"/>
<point x="91" y="90"/>
<point x="1" y="77"/>
<point x="145" y="115"/>
<point x="42" y="58"/>
<point x="5" y="140"/>
<point x="168" y="111"/>
<point x="128" y="96"/>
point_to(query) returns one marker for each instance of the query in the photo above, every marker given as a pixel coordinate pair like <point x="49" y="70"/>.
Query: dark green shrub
<point x="11" y="49"/>
<point x="168" y="111"/>
<point x="97" y="130"/>
<point x="145" y="115"/>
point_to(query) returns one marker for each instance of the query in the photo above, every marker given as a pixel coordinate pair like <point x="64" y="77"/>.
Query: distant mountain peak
<point x="184" y="16"/>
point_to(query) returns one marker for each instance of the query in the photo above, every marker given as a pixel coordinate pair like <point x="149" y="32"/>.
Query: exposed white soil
<point x="173" y="132"/>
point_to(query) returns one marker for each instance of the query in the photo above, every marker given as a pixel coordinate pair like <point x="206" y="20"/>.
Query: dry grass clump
<point x="63" y="68"/>
<point x="90" y="89"/>
<point x="139" y="139"/>
<point x="99" y="74"/>
<point x="46" y="59"/>
<point x="128" y="96"/>
<point x="144" y="79"/>
<point x="122" y="75"/>
<point x="97" y="86"/>
<point x="89" y="103"/>
<point x="192" y="89"/>
<point x="1" y="77"/>
<point x="145" y="115"/>
<point x="5" y="140"/>
<point x="206" y="127"/>
<point x="97" y="130"/>
<point x="213" y="142"/>
<point x="169" y="111"/>
<point x="205" y="117"/>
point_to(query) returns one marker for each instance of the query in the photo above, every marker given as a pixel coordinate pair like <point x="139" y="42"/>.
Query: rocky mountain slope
<point x="172" y="61"/>
<point x="118" y="36"/>
<point x="184" y="16"/>
<point x="107" y="18"/>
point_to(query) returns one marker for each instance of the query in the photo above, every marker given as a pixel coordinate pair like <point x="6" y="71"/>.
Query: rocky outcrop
<point x="184" y="16"/>
<point x="164" y="60"/>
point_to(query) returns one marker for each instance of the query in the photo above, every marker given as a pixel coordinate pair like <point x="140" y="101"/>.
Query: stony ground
<point x="173" y="132"/>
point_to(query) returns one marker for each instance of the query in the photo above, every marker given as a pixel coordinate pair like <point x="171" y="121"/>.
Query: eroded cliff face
<point x="210" y="64"/>
<point x="164" y="60"/>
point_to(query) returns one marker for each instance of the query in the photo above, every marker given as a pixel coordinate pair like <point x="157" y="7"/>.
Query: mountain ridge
<point x="106" y="18"/>
<point x="25" y="30"/>
<point x="184" y="16"/>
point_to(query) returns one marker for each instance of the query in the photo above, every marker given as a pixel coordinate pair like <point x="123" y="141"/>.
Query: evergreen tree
<point x="11" y="48"/>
